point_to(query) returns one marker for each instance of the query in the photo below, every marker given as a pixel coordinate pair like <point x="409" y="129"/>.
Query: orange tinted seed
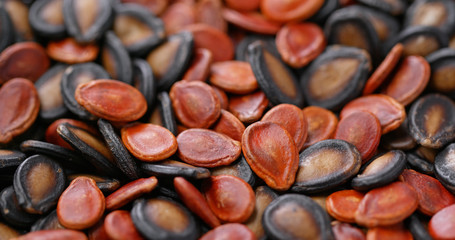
<point x="321" y="123"/>
<point x="346" y="231"/>
<point x="386" y="205"/>
<point x="343" y="204"/>
<point x="149" y="142"/>
<point x="229" y="197"/>
<point x="112" y="100"/>
<point x="300" y="43"/>
<point x="119" y="225"/>
<point x="287" y="11"/>
<point x="199" y="68"/>
<point x="248" y="108"/>
<point x="207" y="148"/>
<point x="397" y="231"/>
<point x="229" y="125"/>
<point x="71" y="52"/>
<point x="53" y="235"/>
<point x="233" y="77"/>
<point x="271" y="153"/>
<point x="251" y="21"/>
<point x="442" y="224"/>
<point x="195" y="104"/>
<point x="130" y="192"/>
<point x="230" y="231"/>
<point x="241" y="5"/>
<point x="81" y="205"/>
<point x="19" y="107"/>
<point x="362" y="129"/>
<point x="177" y="16"/>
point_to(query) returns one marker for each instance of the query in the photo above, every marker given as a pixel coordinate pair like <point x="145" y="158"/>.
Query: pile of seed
<point x="227" y="119"/>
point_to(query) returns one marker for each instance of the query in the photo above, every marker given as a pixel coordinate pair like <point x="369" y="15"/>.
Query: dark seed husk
<point x="417" y="228"/>
<point x="11" y="158"/>
<point x="417" y="9"/>
<point x="167" y="112"/>
<point x="444" y="167"/>
<point x="144" y="81"/>
<point x="239" y="168"/>
<point x="106" y="185"/>
<point x="49" y="222"/>
<point x="12" y="212"/>
<point x="383" y="170"/>
<point x="419" y="164"/>
<point x="394" y="7"/>
<point x="241" y="50"/>
<point x="123" y="158"/>
<point x="39" y="170"/>
<point x="6" y="29"/>
<point x="172" y="168"/>
<point x="40" y="25"/>
<point x="324" y="12"/>
<point x="442" y="61"/>
<point x="114" y="53"/>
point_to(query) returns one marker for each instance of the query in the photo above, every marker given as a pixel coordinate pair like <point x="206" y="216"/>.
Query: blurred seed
<point x="233" y="77"/>
<point x="442" y="64"/>
<point x="398" y="139"/>
<point x="250" y="107"/>
<point x="343" y="204"/>
<point x="11" y="158"/>
<point x="298" y="217"/>
<point x="71" y="52"/>
<point x="49" y="222"/>
<point x="144" y="81"/>
<point x="54" y="235"/>
<point x="81" y="205"/>
<point x="430" y="119"/>
<point x="264" y="196"/>
<point x="156" y="6"/>
<point x="229" y="125"/>
<point x="19" y="105"/>
<point x="199" y="67"/>
<point x="229" y="231"/>
<point x="174" y="168"/>
<point x="19" y="14"/>
<point x="230" y="198"/>
<point x="7" y="232"/>
<point x="115" y="59"/>
<point x="118" y="225"/>
<point x="441" y="225"/>
<point x="292" y="11"/>
<point x="241" y="49"/>
<point x="87" y="20"/>
<point x="130" y="192"/>
<point x="271" y="153"/>
<point x="6" y="27"/>
<point x="160" y="218"/>
<point x="46" y="18"/>
<point x="240" y="5"/>
<point x="418" y="230"/>
<point x="251" y="21"/>
<point x="397" y="231"/>
<point x="325" y="165"/>
<point x="346" y="231"/>
<point x="386" y="206"/>
<point x="177" y="16"/>
<point x="321" y="123"/>
<point x="210" y="12"/>
<point x="394" y="7"/>
<point x="380" y="171"/>
<point x="222" y="96"/>
<point x="11" y="212"/>
<point x="440" y="14"/>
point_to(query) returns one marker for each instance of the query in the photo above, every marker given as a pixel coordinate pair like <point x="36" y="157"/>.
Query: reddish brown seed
<point x="386" y="205"/>
<point x="199" y="68"/>
<point x="442" y="224"/>
<point x="98" y="232"/>
<point x="362" y="129"/>
<point x="229" y="125"/>
<point x="207" y="148"/>
<point x="177" y="16"/>
<point x="248" y="108"/>
<point x="19" y="107"/>
<point x="251" y="21"/>
<point x="271" y="153"/>
<point x="410" y="80"/>
<point x="321" y="122"/>
<point x="112" y="100"/>
<point x="233" y="77"/>
<point x="343" y="204"/>
<point x="229" y="197"/>
<point x="347" y="231"/>
<point x="230" y="231"/>
<point x="149" y="142"/>
<point x="195" y="104"/>
<point x="389" y="112"/>
<point x="224" y="101"/>
<point x="217" y="42"/>
<point x="119" y="226"/>
<point x="81" y="205"/>
<point x="300" y="43"/>
<point x="195" y="201"/>
<point x="287" y="11"/>
<point x="398" y="232"/>
<point x="23" y="60"/>
<point x="383" y="70"/>
<point x="241" y="5"/>
<point x="431" y="194"/>
<point x="290" y="118"/>
<point x="209" y="12"/>
<point x="53" y="235"/>
<point x="130" y="192"/>
<point x="71" y="52"/>
<point x="53" y="137"/>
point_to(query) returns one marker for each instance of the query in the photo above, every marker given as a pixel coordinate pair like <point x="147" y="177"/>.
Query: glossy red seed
<point x="230" y="231"/>
<point x="229" y="125"/>
<point x="233" y="77"/>
<point x="199" y="68"/>
<point x="248" y="108"/>
<point x="251" y="20"/>
<point x="119" y="226"/>
<point x="321" y="123"/>
<point x="130" y="192"/>
<point x="343" y="204"/>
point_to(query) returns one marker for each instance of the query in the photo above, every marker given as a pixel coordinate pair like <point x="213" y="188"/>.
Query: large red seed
<point x="321" y="122"/>
<point x="119" y="226"/>
<point x="81" y="205"/>
<point x="233" y="77"/>
<point x="207" y="148"/>
<point x="343" y="204"/>
<point x="112" y="100"/>
<point x="271" y="153"/>
<point x="230" y="125"/>
<point x="129" y="192"/>
<point x="442" y="224"/>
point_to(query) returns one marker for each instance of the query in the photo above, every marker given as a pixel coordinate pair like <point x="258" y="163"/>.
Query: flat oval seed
<point x="264" y="196"/>
<point x="442" y="224"/>
<point x="19" y="106"/>
<point x="291" y="118"/>
<point x="230" y="125"/>
<point x="251" y="21"/>
<point x="233" y="77"/>
<point x="386" y="205"/>
<point x="23" y="60"/>
<point x="54" y="235"/>
<point x="322" y="124"/>
<point x="161" y="219"/>
<point x="118" y="226"/>
<point x="112" y="100"/>
<point x="11" y="158"/>
<point x="343" y="204"/>
<point x="81" y="205"/>
<point x="362" y="129"/>
<point x="238" y="168"/>
<point x="177" y="16"/>
<point x="229" y="231"/>
<point x="431" y="194"/>
<point x="347" y="231"/>
<point x="130" y="192"/>
<point x="271" y="153"/>
<point x="230" y="198"/>
<point x="430" y="120"/>
<point x="410" y="80"/>
<point x="248" y="108"/>
<point x="325" y="165"/>
<point x="38" y="182"/>
<point x="207" y="148"/>
<point x="195" y="104"/>
<point x="300" y="43"/>
<point x="149" y="142"/>
<point x="199" y="68"/>
<point x="289" y="11"/>
<point x="296" y="217"/>
<point x="389" y="112"/>
<point x="71" y="52"/>
<point x="195" y="201"/>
